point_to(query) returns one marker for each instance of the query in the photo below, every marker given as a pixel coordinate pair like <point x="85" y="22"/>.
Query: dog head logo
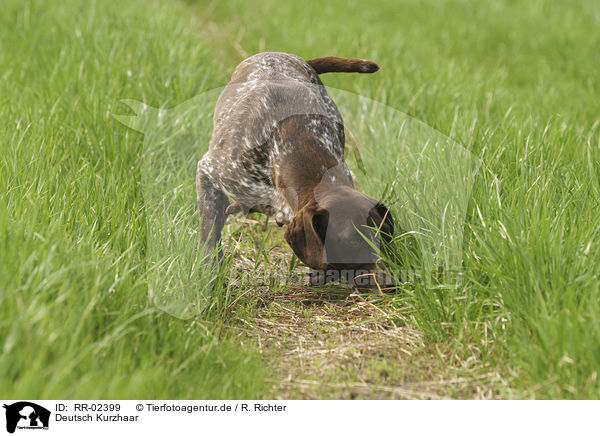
<point x="26" y="415"/>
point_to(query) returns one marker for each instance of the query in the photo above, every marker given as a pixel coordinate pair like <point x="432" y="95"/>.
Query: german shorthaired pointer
<point x="278" y="148"/>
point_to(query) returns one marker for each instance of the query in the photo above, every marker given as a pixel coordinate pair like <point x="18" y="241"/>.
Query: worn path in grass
<point x="327" y="343"/>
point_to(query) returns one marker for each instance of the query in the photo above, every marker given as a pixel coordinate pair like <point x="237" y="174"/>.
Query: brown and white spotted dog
<point x="278" y="148"/>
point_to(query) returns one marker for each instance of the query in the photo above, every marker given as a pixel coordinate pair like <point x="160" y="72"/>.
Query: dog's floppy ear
<point x="382" y="219"/>
<point x="306" y="235"/>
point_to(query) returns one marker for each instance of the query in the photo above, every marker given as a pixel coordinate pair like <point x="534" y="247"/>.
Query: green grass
<point x="516" y="83"/>
<point x="75" y="319"/>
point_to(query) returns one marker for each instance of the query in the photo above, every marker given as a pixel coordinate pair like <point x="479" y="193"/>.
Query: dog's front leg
<point x="212" y="203"/>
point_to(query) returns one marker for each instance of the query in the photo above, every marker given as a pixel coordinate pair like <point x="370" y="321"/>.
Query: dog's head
<point x="338" y="231"/>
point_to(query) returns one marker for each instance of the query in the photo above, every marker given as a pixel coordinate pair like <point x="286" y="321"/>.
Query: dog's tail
<point x="332" y="64"/>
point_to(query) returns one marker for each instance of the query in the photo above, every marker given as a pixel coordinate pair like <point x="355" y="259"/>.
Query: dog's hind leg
<point x="212" y="203"/>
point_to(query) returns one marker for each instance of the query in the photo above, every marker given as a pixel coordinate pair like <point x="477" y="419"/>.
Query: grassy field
<point x="514" y="83"/>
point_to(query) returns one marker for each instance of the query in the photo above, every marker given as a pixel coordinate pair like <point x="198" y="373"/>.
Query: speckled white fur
<point x="264" y="90"/>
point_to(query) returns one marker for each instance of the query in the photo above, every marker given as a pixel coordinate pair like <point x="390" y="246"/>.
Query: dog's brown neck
<point x="307" y="170"/>
<point x="306" y="164"/>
